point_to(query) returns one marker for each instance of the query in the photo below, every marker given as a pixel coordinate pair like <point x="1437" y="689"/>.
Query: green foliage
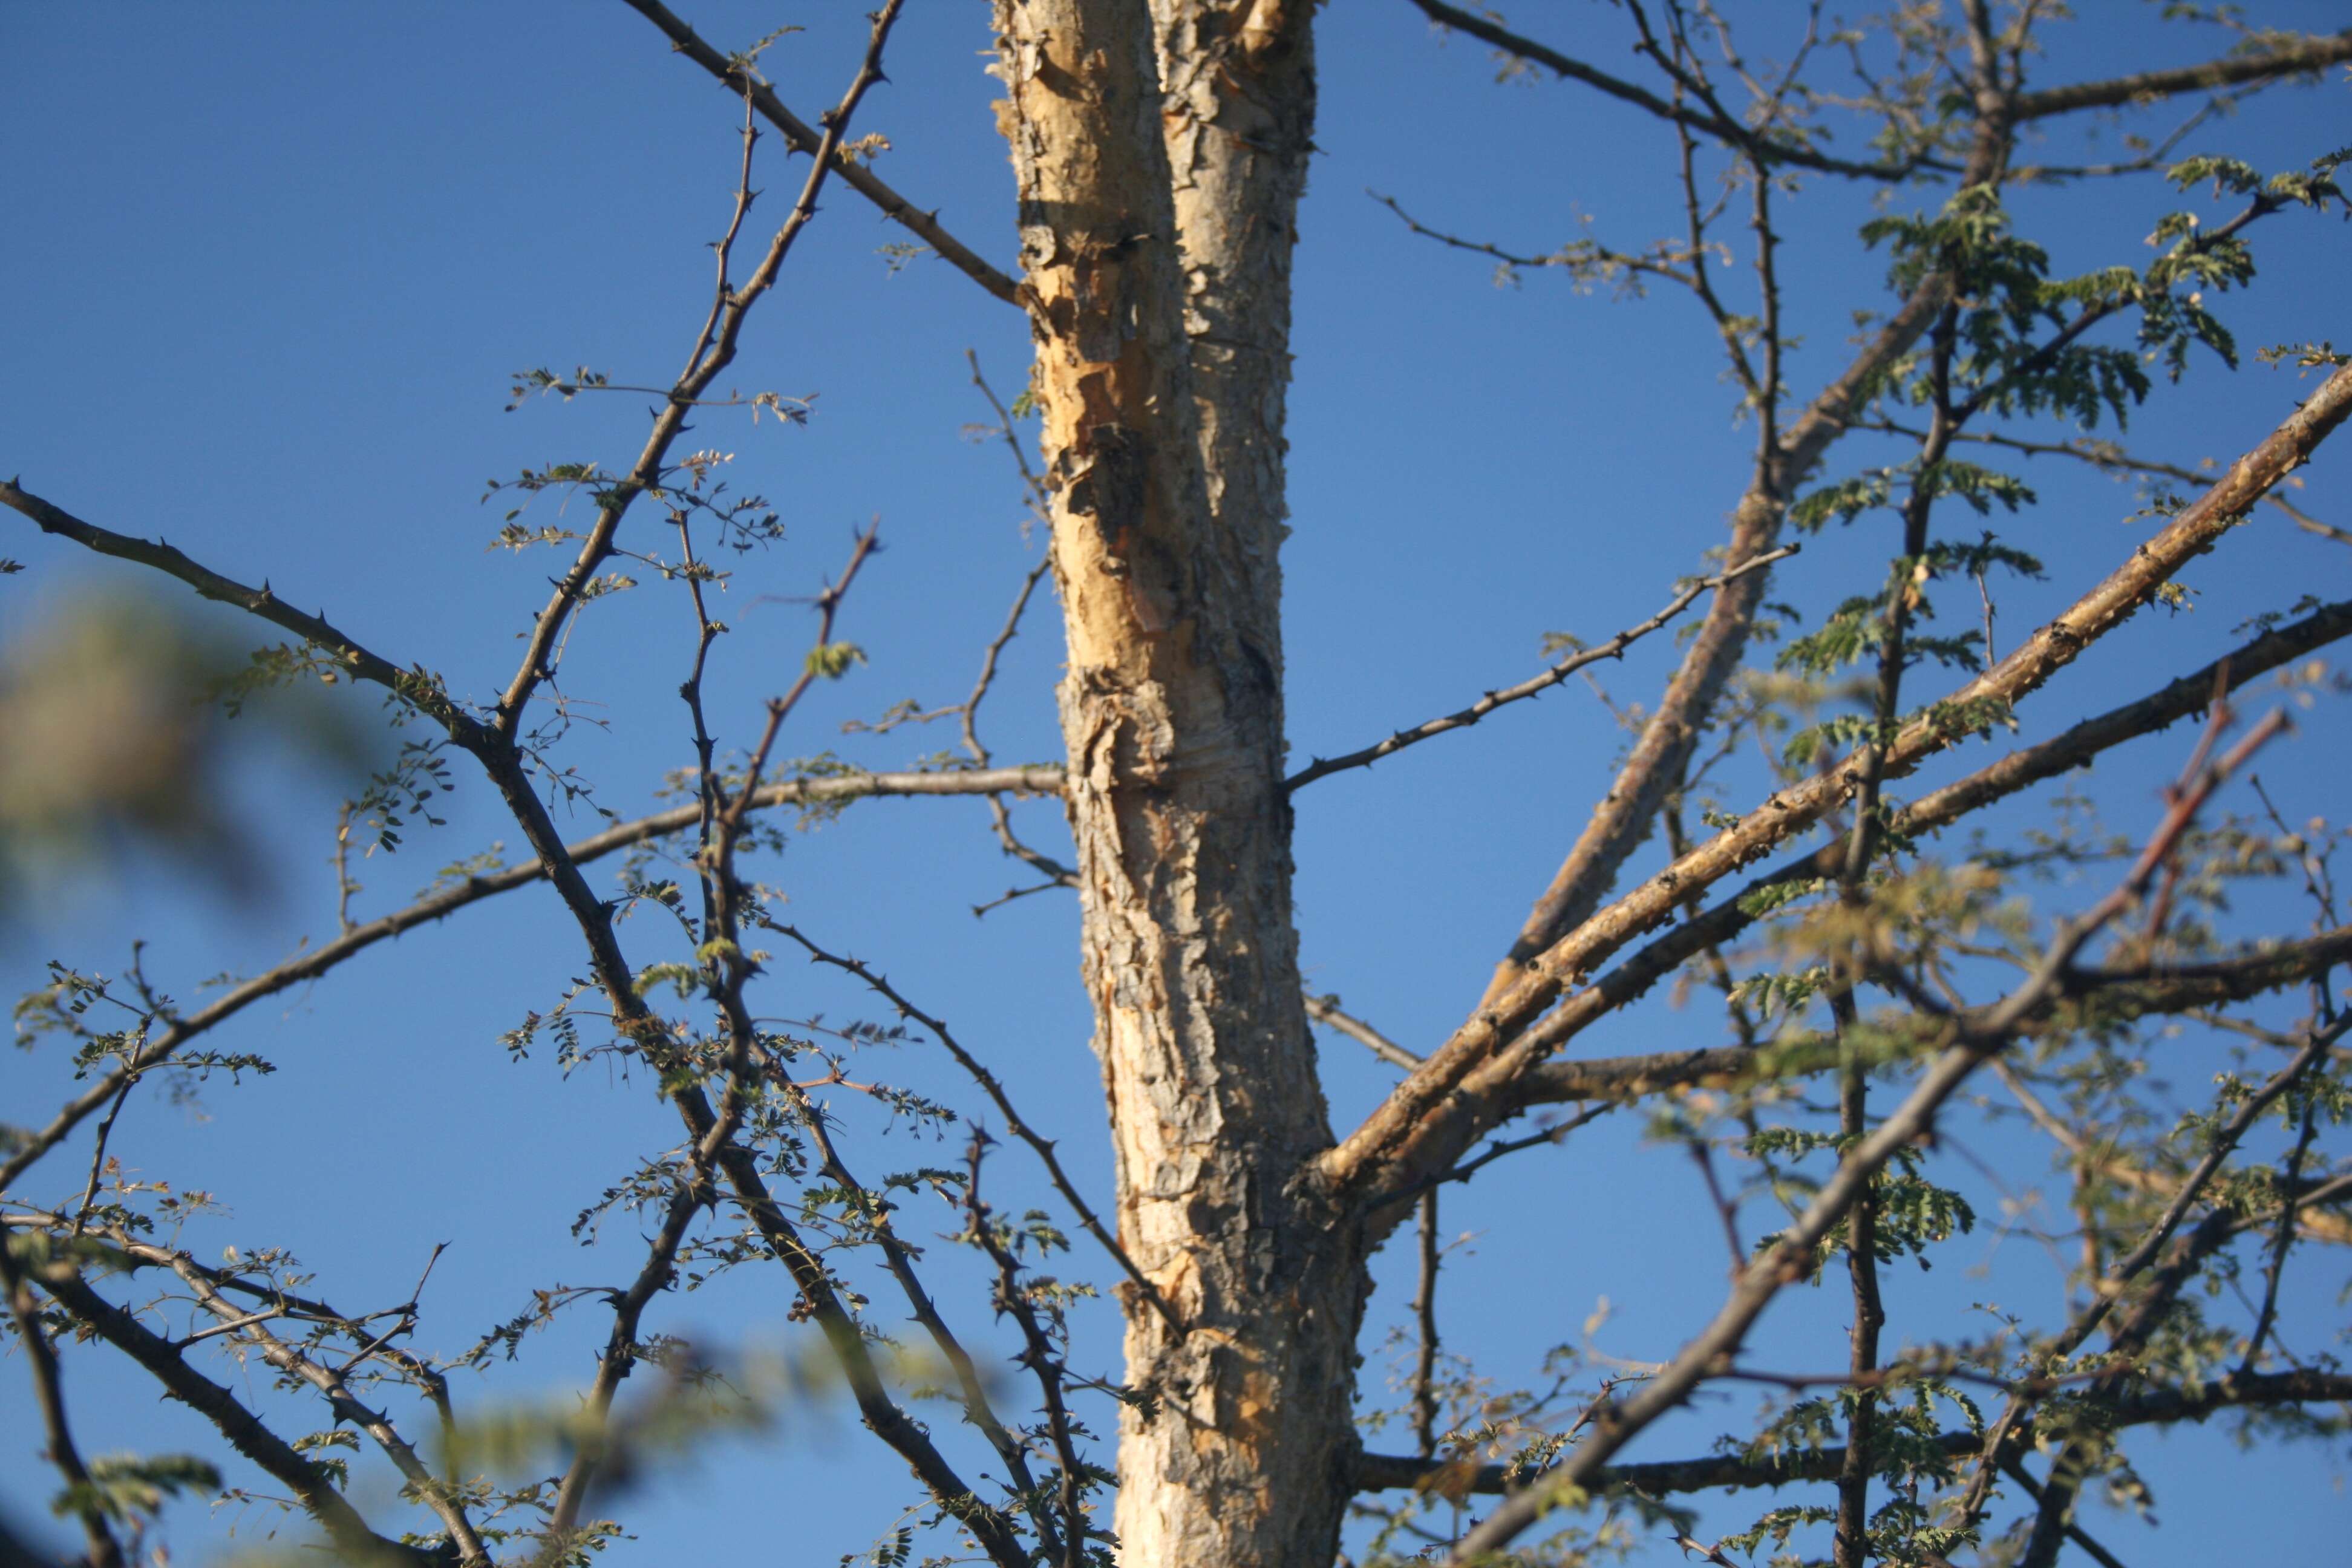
<point x="2305" y="356"/>
<point x="1758" y="902"/>
<point x="417" y="774"/>
<point x="835" y="659"/>
<point x="539" y="382"/>
<point x="1774" y="993"/>
<point x="129" y="1487"/>
<point x="1914" y="1214"/>
<point x="1809" y="744"/>
<point x="1857" y="629"/>
<point x="1980" y="488"/>
<point x="1843" y="501"/>
<point x="314" y="1447"/>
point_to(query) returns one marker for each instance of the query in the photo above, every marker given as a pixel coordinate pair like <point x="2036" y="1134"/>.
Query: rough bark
<point x="1161" y="371"/>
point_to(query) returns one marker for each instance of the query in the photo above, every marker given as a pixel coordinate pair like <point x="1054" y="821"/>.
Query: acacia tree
<point x="1160" y="152"/>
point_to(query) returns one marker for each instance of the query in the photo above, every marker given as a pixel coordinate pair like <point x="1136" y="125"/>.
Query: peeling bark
<point x="1160" y="305"/>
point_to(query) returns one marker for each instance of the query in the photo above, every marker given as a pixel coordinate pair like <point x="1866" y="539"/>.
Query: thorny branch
<point x="158" y="1051"/>
<point x="312" y="1486"/>
<point x="1065" y="1539"/>
<point x="80" y="1495"/>
<point x="1968" y="1041"/>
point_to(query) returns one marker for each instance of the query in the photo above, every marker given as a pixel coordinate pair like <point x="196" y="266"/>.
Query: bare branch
<point x="620" y="1358"/>
<point x="413" y="685"/>
<point x="1038" y="1355"/>
<point x="1327" y="1010"/>
<point x="990" y="1086"/>
<point x="446" y="1504"/>
<point x="1323" y="767"/>
<point x="714" y="351"/>
<point x="1712" y="123"/>
<point x="1424" y="1312"/>
<point x="803" y="138"/>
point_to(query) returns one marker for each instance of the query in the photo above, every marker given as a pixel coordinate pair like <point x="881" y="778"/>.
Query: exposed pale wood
<point x="1160" y="307"/>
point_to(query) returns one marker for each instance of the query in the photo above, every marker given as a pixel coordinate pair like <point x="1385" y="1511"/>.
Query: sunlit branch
<point x="2293" y="56"/>
<point x="1472" y="1076"/>
<point x="1968" y="1041"/>
<point x="1626" y="816"/>
<point x="1327" y="1010"/>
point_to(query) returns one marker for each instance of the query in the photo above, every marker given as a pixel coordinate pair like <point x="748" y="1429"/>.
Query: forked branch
<point x="1969" y="1040"/>
<point x="1470" y="1077"/>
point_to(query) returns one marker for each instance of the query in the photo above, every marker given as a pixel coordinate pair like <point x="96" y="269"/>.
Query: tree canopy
<point x="1692" y="771"/>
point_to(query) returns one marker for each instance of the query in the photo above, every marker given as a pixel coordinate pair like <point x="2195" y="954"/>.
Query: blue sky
<point x="269" y="268"/>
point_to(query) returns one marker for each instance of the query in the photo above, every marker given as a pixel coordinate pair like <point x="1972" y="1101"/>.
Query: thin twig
<point x="737" y="74"/>
<point x="1425" y="1315"/>
<point x="97" y="1154"/>
<point x="1038" y="1355"/>
<point x="1327" y="1010"/>
<point x="715" y="348"/>
<point x="1614" y="647"/>
<point x="989" y="1084"/>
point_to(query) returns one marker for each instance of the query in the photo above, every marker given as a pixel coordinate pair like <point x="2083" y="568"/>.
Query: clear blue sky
<point x="269" y="269"/>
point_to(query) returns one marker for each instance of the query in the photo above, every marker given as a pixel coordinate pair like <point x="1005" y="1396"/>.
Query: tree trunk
<point x="1160" y="307"/>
